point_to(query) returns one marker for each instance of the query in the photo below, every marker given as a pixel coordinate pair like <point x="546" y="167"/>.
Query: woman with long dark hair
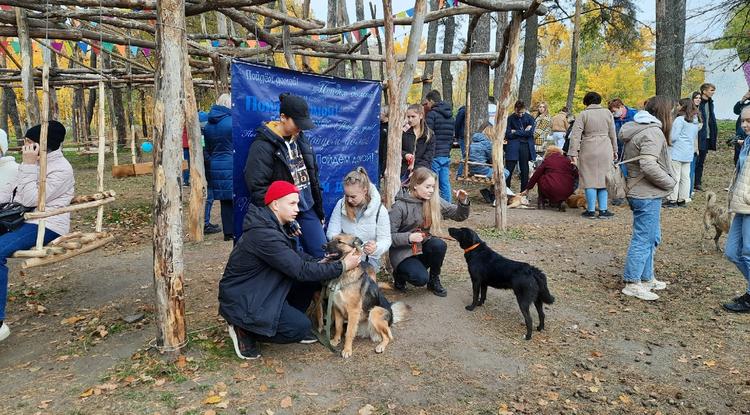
<point x="650" y="178"/>
<point x="683" y="137"/>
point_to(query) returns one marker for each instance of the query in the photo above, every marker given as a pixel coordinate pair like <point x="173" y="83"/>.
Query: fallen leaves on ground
<point x="286" y="402"/>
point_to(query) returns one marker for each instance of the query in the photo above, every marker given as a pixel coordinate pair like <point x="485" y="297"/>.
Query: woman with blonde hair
<point x="360" y="213"/>
<point x="416" y="255"/>
<point x="543" y="128"/>
<point x="556" y="177"/>
<point x="219" y="158"/>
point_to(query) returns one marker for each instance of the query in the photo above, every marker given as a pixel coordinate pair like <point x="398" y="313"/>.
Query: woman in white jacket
<point x="25" y="190"/>
<point x="361" y="214"/>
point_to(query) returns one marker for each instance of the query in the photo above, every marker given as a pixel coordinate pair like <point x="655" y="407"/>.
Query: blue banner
<point x="346" y="113"/>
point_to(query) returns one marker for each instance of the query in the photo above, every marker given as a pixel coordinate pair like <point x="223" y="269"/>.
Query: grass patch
<point x="513" y="234"/>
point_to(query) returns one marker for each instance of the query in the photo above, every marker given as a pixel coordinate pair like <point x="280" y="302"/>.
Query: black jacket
<point x="440" y="121"/>
<point x="268" y="161"/>
<point x="423" y="153"/>
<point x="709" y="132"/>
<point x="260" y="271"/>
<point x="383" y="148"/>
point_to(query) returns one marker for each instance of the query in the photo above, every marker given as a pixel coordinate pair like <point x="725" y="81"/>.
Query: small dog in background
<point x="576" y="200"/>
<point x="716" y="216"/>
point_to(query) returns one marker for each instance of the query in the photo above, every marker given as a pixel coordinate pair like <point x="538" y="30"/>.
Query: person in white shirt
<point x="8" y="165"/>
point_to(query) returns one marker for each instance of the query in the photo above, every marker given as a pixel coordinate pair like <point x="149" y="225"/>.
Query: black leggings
<point x="414" y="269"/>
<point x="523" y="166"/>
<point x="227" y="217"/>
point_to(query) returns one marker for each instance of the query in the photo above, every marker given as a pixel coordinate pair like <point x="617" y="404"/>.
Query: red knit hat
<point x="279" y="189"/>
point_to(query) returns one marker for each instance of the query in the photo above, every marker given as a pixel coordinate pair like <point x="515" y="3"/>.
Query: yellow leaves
<point x="98" y="390"/>
<point x="709" y="363"/>
<point x="366" y="410"/>
<point x="286" y="402"/>
<point x="211" y="400"/>
<point x="72" y="320"/>
<point x="625" y="399"/>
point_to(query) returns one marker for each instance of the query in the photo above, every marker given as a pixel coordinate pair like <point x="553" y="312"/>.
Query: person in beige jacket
<point x="560" y="127"/>
<point x="593" y="148"/>
<point x="25" y="190"/>
<point x="649" y="179"/>
<point x="738" y="239"/>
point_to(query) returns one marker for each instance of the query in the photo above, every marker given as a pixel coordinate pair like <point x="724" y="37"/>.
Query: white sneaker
<point x="654" y="284"/>
<point x="4" y="331"/>
<point x="639" y="291"/>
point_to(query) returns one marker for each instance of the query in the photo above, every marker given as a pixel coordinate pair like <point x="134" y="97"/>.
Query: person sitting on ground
<point x="593" y="148"/>
<point x="738" y="242"/>
<point x="281" y="152"/>
<point x="417" y="142"/>
<point x="8" y="165"/>
<point x="415" y="217"/>
<point x="440" y="121"/>
<point x="650" y="178"/>
<point x="556" y="177"/>
<point x="560" y="127"/>
<point x="24" y="189"/>
<point x="360" y="213"/>
<point x="268" y="283"/>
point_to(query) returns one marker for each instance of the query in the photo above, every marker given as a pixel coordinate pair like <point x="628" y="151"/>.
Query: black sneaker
<point x="739" y="305"/>
<point x="670" y="204"/>
<point x="605" y="214"/>
<point x="228" y="237"/>
<point x="681" y="203"/>
<point x="487" y="195"/>
<point x="588" y="215"/>
<point x="309" y="339"/>
<point x="618" y="202"/>
<point x="210" y="228"/>
<point x="244" y="345"/>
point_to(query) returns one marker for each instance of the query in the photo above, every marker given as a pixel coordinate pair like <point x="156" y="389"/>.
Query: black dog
<point x="488" y="268"/>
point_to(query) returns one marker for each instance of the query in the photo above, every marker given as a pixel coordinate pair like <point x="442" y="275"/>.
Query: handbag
<point x="617" y="183"/>
<point x="11" y="215"/>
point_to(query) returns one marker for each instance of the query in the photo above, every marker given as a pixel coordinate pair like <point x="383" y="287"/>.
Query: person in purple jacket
<point x="520" y="148"/>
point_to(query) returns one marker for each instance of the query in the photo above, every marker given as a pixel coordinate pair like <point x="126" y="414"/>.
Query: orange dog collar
<point x="471" y="248"/>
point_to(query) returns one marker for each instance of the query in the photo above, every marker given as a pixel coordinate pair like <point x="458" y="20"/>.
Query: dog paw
<point x="379" y="348"/>
<point x="346" y="353"/>
<point x="335" y="342"/>
<point x="470" y="307"/>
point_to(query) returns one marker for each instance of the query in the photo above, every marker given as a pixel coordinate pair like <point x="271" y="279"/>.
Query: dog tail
<point x="400" y="311"/>
<point x="544" y="293"/>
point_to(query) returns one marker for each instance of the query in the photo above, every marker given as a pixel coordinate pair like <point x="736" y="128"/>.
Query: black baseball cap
<point x="296" y="108"/>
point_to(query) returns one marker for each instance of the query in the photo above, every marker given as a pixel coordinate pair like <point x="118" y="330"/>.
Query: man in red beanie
<point x="268" y="283"/>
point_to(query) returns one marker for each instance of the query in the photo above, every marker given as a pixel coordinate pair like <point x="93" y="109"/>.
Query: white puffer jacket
<point x="60" y="189"/>
<point x="739" y="190"/>
<point x="371" y="224"/>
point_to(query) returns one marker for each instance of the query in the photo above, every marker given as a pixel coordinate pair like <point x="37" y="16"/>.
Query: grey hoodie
<point x="406" y="217"/>
<point x="643" y="136"/>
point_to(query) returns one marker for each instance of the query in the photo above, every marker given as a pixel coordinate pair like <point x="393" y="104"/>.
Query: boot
<point x="435" y="286"/>
<point x="399" y="283"/>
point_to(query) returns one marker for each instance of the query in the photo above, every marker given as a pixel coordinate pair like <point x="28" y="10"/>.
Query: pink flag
<point x="57" y="45"/>
<point x="746" y="68"/>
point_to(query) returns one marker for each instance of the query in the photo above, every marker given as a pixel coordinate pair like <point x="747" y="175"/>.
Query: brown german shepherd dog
<point x="357" y="298"/>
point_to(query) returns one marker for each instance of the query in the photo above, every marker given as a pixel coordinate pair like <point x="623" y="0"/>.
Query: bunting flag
<point x="356" y="35"/>
<point x="146" y="52"/>
<point x="57" y="45"/>
<point x="68" y="48"/>
<point x="134" y="50"/>
<point x="401" y="14"/>
<point x="83" y="46"/>
<point x="121" y="49"/>
<point x="410" y="12"/>
<point x="6" y="8"/>
<point x="108" y="46"/>
<point x="215" y="43"/>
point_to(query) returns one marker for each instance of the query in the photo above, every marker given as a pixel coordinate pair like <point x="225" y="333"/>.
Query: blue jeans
<point x="441" y="166"/>
<point x="639" y="265"/>
<point x="22" y="238"/>
<point x="460" y="171"/>
<point x="186" y="172"/>
<point x="313" y="238"/>
<point x="209" y="204"/>
<point x="737" y="248"/>
<point x="596" y="195"/>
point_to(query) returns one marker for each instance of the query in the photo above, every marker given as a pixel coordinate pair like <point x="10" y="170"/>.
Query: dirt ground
<point x="72" y="352"/>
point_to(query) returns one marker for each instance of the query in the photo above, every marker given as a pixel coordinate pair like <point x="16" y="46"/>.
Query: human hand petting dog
<point x="30" y="153"/>
<point x="370" y="247"/>
<point x="351" y="261"/>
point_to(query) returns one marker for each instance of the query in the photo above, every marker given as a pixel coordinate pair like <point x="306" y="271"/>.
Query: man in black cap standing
<point x="281" y="152"/>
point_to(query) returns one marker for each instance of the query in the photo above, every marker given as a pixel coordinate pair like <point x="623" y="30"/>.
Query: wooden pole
<point x="398" y="88"/>
<point x="29" y="94"/>
<point x="169" y="120"/>
<point x="42" y="190"/>
<point x="198" y="185"/>
<point x="501" y="122"/>
<point x="467" y="121"/>
<point x="101" y="132"/>
<point x="285" y="41"/>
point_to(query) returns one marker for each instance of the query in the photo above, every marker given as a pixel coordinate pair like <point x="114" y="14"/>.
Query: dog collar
<point x="471" y="248"/>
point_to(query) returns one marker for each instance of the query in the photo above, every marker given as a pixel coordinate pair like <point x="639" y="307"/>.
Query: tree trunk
<point x="79" y="117"/>
<point x="670" y="46"/>
<point x="381" y="65"/>
<point x="359" y="9"/>
<point x="9" y="99"/>
<point x="446" y="76"/>
<point x="54" y="107"/>
<point x="169" y="121"/>
<point x="429" y="66"/>
<point x="501" y="122"/>
<point x="27" y="76"/>
<point x="530" y="51"/>
<point x="497" y="83"/>
<point x="144" y="124"/>
<point x="398" y="88"/>
<point x="332" y="21"/>
<point x="288" y="56"/>
<point x="116" y="109"/>
<point x="344" y="20"/>
<point x="479" y="75"/>
<point x="574" y="57"/>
